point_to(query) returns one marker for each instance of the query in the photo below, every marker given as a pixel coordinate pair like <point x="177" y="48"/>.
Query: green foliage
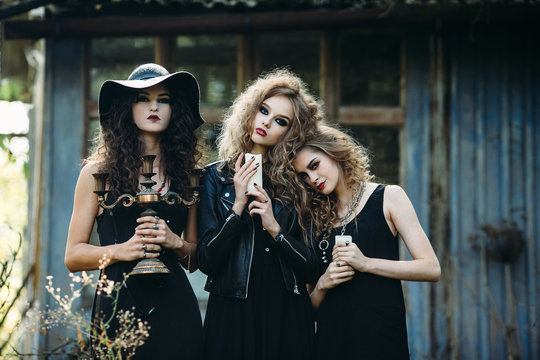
<point x="11" y="90"/>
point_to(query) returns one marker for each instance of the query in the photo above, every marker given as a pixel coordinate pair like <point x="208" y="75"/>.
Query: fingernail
<point x="256" y="163"/>
<point x="255" y="183"/>
<point x="245" y="193"/>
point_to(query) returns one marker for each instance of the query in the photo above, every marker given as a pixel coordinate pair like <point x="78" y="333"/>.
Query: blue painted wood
<point x="417" y="132"/>
<point x="480" y="189"/>
<point x="492" y="119"/>
<point x="517" y="83"/>
<point x="454" y="334"/>
<point x="62" y="146"/>
<point x="534" y="228"/>
<point x="467" y="195"/>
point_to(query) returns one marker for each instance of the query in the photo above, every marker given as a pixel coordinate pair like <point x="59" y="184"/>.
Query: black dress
<point x="270" y="324"/>
<point x="364" y="318"/>
<point x="165" y="301"/>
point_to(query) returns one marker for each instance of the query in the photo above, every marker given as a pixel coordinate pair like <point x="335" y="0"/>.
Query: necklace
<point x="162" y="185"/>
<point x="352" y="207"/>
<point x="346" y="239"/>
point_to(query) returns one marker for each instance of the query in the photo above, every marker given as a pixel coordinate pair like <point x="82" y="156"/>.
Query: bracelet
<point x="188" y="256"/>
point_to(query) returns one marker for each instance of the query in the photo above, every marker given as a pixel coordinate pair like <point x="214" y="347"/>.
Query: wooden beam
<point x="246" y="61"/>
<point x="164" y="52"/>
<point x="329" y="74"/>
<point x="188" y="24"/>
<point x="420" y="16"/>
<point x="371" y="116"/>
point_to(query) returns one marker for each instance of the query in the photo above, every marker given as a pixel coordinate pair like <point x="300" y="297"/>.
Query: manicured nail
<point x="245" y="193"/>
<point x="255" y="183"/>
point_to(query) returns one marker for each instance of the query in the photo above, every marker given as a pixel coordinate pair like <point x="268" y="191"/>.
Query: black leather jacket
<point x="226" y="241"/>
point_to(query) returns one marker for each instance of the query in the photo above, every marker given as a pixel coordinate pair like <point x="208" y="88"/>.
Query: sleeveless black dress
<point x="364" y="318"/>
<point x="270" y="324"/>
<point x="166" y="301"/>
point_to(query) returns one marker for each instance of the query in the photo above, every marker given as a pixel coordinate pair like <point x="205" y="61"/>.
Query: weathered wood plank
<point x="494" y="153"/>
<point x="62" y="145"/>
<point x="371" y="116"/>
<point x="417" y="163"/>
<point x="480" y="190"/>
<point x="453" y="311"/>
<point x="439" y="190"/>
<point x="517" y="309"/>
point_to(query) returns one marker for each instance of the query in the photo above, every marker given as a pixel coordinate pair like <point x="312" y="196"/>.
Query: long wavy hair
<point x="318" y="212"/>
<point x="118" y="146"/>
<point x="235" y="136"/>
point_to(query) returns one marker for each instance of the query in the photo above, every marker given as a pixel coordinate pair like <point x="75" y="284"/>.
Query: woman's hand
<point x="136" y="248"/>
<point x="241" y="178"/>
<point x="334" y="275"/>
<point x="350" y="254"/>
<point x="154" y="230"/>
<point x="262" y="205"/>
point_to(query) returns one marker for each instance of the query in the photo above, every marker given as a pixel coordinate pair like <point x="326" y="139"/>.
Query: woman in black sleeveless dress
<point x="358" y="297"/>
<point x="250" y="245"/>
<point x="153" y="112"/>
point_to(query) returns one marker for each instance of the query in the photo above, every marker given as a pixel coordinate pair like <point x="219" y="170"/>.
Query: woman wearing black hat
<point x="153" y="112"/>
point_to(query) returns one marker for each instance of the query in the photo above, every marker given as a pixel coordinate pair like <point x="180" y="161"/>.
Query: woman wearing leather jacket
<point x="250" y="244"/>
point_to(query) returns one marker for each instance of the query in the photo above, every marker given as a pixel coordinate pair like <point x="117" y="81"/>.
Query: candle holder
<point x="147" y="198"/>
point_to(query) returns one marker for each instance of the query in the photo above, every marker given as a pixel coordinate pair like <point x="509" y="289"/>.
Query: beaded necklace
<point x="162" y="185"/>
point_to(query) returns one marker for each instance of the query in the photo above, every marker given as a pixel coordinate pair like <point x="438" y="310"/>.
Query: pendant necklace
<point x="345" y="239"/>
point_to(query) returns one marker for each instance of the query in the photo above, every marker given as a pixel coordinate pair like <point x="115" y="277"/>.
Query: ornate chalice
<point x="147" y="198"/>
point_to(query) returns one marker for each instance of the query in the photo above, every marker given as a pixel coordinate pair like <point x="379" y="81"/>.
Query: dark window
<point x="370" y="69"/>
<point x="212" y="59"/>
<point x="297" y="51"/>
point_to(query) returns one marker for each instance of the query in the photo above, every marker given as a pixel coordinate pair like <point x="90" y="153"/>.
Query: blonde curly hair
<point x="317" y="212"/>
<point x="235" y="136"/>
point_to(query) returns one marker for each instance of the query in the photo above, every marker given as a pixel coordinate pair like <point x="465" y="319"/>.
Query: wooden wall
<point x="472" y="165"/>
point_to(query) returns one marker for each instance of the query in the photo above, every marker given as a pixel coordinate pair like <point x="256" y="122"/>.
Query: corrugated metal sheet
<point x="483" y="308"/>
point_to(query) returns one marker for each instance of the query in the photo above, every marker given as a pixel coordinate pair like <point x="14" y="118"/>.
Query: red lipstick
<point x="260" y="131"/>
<point x="154" y="118"/>
<point x="321" y="185"/>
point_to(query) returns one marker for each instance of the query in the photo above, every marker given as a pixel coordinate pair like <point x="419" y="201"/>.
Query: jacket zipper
<point x="283" y="238"/>
<point x="223" y="227"/>
<point x="296" y="291"/>
<point x="251" y="258"/>
<point x="252" y="247"/>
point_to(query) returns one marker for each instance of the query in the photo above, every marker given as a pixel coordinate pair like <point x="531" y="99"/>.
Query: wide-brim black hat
<point x="148" y="75"/>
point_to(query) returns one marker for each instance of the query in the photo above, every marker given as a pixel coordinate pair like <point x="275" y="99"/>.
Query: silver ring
<point x="338" y="264"/>
<point x="144" y="254"/>
<point x="157" y="218"/>
<point x="156" y="227"/>
<point x="266" y="200"/>
<point x="143" y="246"/>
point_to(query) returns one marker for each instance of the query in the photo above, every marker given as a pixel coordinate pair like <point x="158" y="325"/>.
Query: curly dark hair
<point x="118" y="147"/>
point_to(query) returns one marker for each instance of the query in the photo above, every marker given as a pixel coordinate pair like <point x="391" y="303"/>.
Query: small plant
<point x="131" y="332"/>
